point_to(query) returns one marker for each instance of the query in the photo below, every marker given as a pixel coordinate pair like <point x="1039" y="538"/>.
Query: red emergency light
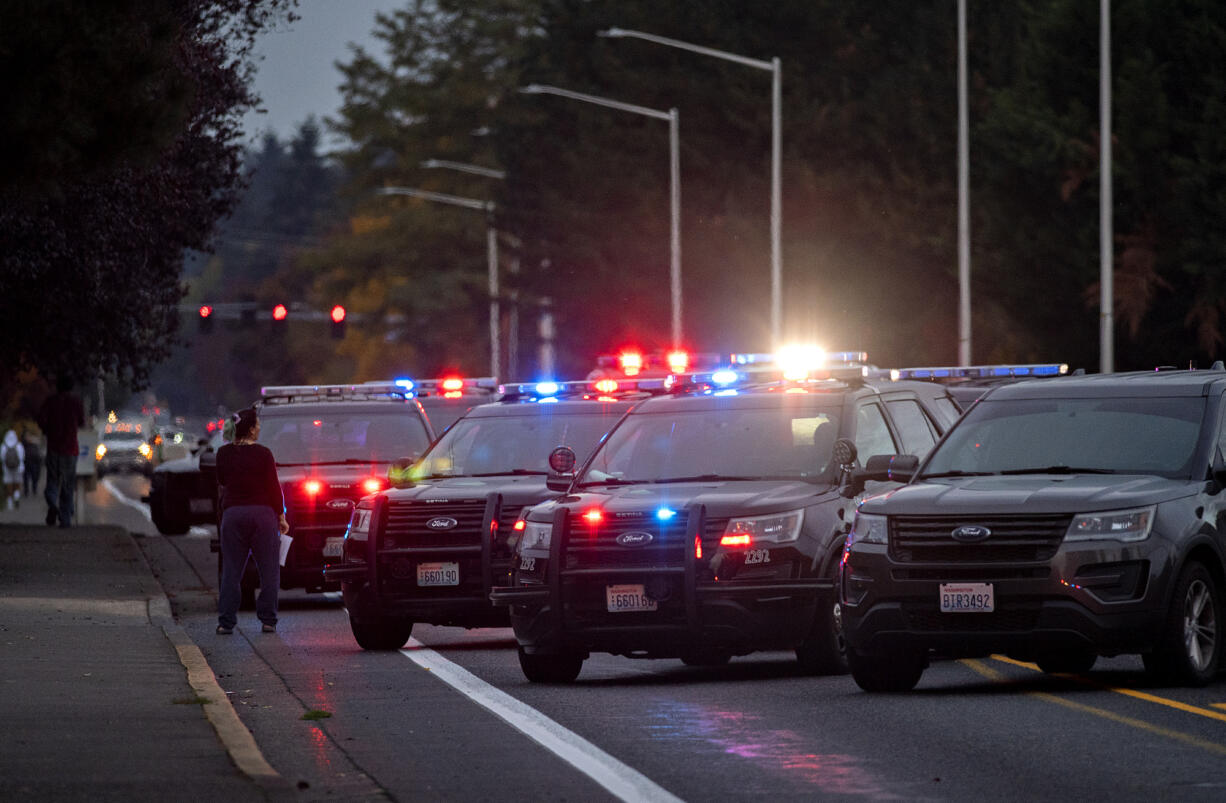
<point x="631" y="362"/>
<point x="678" y="361"/>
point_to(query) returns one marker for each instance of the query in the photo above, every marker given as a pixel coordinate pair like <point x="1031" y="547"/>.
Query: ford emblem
<point x="635" y="538"/>
<point x="970" y="532"/>
<point x="339" y="504"/>
<point x="441" y="523"/>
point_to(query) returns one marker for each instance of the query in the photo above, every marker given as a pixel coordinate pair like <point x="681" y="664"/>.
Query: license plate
<point x="967" y="598"/>
<point x="334" y="547"/>
<point x="438" y="574"/>
<point x="200" y="505"/>
<point x="628" y="597"/>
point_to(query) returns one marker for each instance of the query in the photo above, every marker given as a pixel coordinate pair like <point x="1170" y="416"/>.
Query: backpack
<point x="12" y="460"/>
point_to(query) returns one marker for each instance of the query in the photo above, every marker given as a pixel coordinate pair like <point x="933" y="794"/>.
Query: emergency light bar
<point x="980" y="371"/>
<point x="365" y="390"/>
<point x="550" y="390"/>
<point x="456" y="384"/>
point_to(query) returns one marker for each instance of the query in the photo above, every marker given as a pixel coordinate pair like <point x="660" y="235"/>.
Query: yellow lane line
<point x="1140" y="695"/>
<point x="1179" y="736"/>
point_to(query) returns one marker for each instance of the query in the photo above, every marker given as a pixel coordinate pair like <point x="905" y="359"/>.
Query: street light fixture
<point x="674" y="149"/>
<point x="491" y="239"/>
<point x="775" y="67"/>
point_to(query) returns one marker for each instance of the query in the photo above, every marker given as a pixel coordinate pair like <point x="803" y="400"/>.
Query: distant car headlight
<point x="778" y="528"/>
<point x="537" y="535"/>
<point x="100" y="452"/>
<point x="868" y="528"/>
<point x="1113" y="525"/>
<point x="146" y="450"/>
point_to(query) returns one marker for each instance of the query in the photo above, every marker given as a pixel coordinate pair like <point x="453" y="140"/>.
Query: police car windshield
<point x="1156" y="436"/>
<point x="484" y="446"/>
<point x="341" y="436"/>
<point x="793" y="442"/>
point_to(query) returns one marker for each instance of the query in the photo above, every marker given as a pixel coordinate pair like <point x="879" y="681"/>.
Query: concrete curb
<point x="234" y="736"/>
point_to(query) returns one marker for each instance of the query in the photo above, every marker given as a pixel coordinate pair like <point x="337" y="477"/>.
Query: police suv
<point x="333" y="445"/>
<point x="710" y="523"/>
<point x="431" y="552"/>
<point x="1059" y="520"/>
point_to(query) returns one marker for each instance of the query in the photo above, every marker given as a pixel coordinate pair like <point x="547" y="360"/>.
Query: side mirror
<point x="883" y="468"/>
<point x="562" y="462"/>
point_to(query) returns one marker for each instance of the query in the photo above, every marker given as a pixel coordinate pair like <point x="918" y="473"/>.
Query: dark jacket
<point x="247" y="474"/>
<point x="60" y="417"/>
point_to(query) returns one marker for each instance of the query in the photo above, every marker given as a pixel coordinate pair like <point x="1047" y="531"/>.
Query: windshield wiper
<point x="939" y="474"/>
<point x="613" y="481"/>
<point x="517" y="472"/>
<point x="704" y="478"/>
<point x="1060" y="469"/>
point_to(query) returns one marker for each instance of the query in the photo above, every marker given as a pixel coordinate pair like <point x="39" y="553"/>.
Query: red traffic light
<point x="280" y="313"/>
<point x="205" y="311"/>
<point x="338" y="314"/>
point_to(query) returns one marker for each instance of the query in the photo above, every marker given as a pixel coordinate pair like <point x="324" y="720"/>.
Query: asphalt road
<point x="452" y="717"/>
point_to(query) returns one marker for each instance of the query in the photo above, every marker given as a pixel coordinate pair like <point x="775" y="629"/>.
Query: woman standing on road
<point x="252" y="522"/>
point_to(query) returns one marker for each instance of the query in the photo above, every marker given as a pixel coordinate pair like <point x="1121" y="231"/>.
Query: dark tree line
<point x="121" y="122"/>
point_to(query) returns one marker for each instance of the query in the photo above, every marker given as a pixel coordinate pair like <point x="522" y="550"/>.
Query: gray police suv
<point x="1059" y="520"/>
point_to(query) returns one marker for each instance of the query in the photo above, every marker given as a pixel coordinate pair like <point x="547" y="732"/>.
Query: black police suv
<point x="710" y="523"/>
<point x="431" y="552"/>
<point x="1059" y="520"/>
<point x="333" y="445"/>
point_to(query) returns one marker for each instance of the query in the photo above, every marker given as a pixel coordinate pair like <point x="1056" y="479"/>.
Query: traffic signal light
<point x="206" y="318"/>
<point x="338" y="322"/>
<point x="280" y="314"/>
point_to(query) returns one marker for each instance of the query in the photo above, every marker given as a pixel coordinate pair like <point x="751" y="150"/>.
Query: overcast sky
<point x="297" y="75"/>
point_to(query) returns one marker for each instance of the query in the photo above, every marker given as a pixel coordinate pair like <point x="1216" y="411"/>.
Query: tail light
<point x="453" y="383"/>
<point x="312" y="487"/>
<point x="678" y="361"/>
<point x="631" y="362"/>
<point x="372" y="485"/>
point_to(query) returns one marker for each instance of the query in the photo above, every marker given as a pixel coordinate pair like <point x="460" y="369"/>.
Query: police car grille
<point x="1006" y="618"/>
<point x="1016" y="539"/>
<point x="595" y="547"/>
<point x="406" y="524"/>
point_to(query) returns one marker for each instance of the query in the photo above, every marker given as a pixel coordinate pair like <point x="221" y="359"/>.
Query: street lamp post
<point x="1106" y="302"/>
<point x="674" y="154"/>
<point x="491" y="238"/>
<point x="964" y="214"/>
<point x="776" y="69"/>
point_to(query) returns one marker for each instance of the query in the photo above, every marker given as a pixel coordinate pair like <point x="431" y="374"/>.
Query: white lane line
<point x="621" y="781"/>
<point x="119" y="495"/>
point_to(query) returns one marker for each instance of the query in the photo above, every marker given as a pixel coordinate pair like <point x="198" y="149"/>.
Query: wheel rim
<point x="1199" y="625"/>
<point x="836" y="617"/>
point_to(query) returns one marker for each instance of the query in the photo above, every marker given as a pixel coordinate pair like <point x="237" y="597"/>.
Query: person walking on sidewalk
<point x="34" y="462"/>
<point x="13" y="462"/>
<point x="252" y="523"/>
<point x="61" y="415"/>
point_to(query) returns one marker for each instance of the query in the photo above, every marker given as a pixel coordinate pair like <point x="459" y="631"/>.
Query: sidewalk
<point x="102" y="695"/>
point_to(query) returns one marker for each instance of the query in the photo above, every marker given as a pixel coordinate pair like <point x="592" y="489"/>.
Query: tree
<point x="132" y="161"/>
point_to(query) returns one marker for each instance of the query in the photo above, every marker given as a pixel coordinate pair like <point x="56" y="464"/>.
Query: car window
<point x="872" y="434"/>
<point x="335" y="436"/>
<point x="1124" y="435"/>
<point x="792" y="442"/>
<point x="917" y="432"/>
<point x="945" y="410"/>
<point x="504" y="444"/>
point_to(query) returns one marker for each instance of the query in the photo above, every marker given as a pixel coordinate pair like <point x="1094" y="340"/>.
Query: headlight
<point x="359" y="524"/>
<point x="537" y="535"/>
<point x="100" y="452"/>
<point x="146" y="451"/>
<point x="779" y="528"/>
<point x="1113" y="525"/>
<point x="868" y="528"/>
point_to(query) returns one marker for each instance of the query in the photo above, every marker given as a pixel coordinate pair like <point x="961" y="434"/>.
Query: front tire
<point x="895" y="672"/>
<point x="824" y="650"/>
<point x="1189" y="649"/>
<point x="380" y="633"/>
<point x="562" y="668"/>
<point x="1071" y="662"/>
